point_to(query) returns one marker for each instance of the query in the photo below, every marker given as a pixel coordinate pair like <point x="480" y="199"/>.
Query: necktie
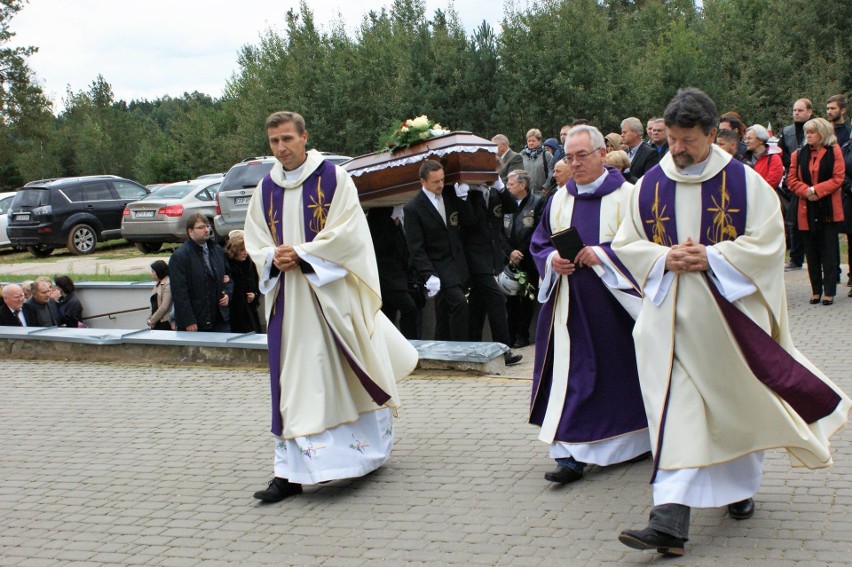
<point x="439" y="204"/>
<point x="19" y="316"/>
<point x="207" y="260"/>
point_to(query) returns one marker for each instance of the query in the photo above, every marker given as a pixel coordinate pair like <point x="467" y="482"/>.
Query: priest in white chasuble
<point x="721" y="379"/>
<point x="334" y="358"/>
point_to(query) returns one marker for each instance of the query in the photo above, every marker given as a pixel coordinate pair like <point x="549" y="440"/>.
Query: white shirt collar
<point x="593" y="186"/>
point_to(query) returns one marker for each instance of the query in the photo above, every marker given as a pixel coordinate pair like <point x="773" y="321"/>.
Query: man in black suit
<point x="395" y="277"/>
<point x="10" y="309"/>
<point x="642" y="156"/>
<point x="41" y="310"/>
<point x="432" y="223"/>
<point x="509" y="160"/>
<point x="486" y="250"/>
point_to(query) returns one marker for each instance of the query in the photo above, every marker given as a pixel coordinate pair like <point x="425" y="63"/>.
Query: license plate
<point x="144" y="214"/>
<point x="241" y="200"/>
<point x="22" y="217"/>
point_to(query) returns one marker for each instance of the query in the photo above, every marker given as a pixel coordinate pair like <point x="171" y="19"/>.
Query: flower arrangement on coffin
<point x="411" y="131"/>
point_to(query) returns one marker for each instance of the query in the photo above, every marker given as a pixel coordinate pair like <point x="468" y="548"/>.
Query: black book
<point x="568" y="243"/>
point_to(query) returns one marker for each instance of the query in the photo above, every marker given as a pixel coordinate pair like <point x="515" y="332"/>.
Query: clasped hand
<point x="687" y="257"/>
<point x="285" y="258"/>
<point x="585" y="258"/>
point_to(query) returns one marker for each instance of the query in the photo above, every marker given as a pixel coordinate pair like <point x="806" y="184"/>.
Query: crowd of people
<point x="41" y="303"/>
<point x="619" y="243"/>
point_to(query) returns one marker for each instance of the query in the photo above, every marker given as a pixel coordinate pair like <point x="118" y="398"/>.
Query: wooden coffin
<point x="389" y="178"/>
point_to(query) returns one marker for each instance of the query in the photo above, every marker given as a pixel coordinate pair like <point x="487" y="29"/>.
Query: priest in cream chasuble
<point x="720" y="376"/>
<point x="334" y="357"/>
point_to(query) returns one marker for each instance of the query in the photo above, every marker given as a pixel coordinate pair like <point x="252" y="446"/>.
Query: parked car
<point x="152" y="187"/>
<point x="5" y="203"/>
<point x="237" y="187"/>
<point x="76" y="212"/>
<point x="161" y="216"/>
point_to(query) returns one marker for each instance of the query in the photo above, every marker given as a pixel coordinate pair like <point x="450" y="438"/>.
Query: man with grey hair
<point x="509" y="160"/>
<point x="586" y="395"/>
<point x="11" y="314"/>
<point x="642" y="156"/>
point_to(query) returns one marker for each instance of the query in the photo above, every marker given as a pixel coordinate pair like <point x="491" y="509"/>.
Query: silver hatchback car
<point x="161" y="216"/>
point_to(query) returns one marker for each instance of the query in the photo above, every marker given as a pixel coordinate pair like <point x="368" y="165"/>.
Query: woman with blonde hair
<point x="816" y="174"/>
<point x="618" y="159"/>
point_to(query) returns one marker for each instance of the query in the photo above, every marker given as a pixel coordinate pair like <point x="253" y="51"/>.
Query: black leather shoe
<point x="521" y="343"/>
<point x="742" y="510"/>
<point x="650" y="538"/>
<point x="512" y="358"/>
<point x="278" y="490"/>
<point x="563" y="475"/>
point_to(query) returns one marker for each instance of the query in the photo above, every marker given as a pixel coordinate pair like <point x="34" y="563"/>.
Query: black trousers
<point x="487" y="299"/>
<point x="821" y="252"/>
<point x="401" y="302"/>
<point x="520" y="310"/>
<point x="451" y="315"/>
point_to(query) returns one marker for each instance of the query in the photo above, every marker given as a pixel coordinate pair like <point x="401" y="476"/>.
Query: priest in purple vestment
<point x="586" y="396"/>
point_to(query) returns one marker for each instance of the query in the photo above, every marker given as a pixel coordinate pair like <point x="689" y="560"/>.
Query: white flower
<point x="403" y="130"/>
<point x="424" y="135"/>
<point x="437" y="127"/>
<point x="420" y="122"/>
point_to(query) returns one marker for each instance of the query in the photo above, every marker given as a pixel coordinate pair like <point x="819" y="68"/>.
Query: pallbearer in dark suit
<point x="486" y="250"/>
<point x="394" y="268"/>
<point x="432" y="222"/>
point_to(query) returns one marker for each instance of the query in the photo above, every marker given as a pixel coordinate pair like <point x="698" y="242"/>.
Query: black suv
<point x="75" y="212"/>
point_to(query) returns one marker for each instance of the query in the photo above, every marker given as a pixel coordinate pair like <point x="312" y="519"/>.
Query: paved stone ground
<point x="137" y="465"/>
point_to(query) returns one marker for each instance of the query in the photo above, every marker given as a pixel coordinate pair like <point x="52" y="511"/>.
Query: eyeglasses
<point x="580" y="155"/>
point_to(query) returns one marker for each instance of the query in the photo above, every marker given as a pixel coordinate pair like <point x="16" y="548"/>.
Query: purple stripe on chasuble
<point x="723" y="217"/>
<point x="317" y="194"/>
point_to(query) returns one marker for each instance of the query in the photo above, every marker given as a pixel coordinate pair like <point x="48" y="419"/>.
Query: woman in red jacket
<point x="769" y="166"/>
<point x="816" y="175"/>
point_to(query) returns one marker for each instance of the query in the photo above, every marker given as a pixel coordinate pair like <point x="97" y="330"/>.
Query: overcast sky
<point x="151" y="48"/>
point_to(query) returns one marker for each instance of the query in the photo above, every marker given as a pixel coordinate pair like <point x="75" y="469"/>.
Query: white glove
<point x="398" y="213"/>
<point x="498" y="184"/>
<point x="462" y="190"/>
<point x="433" y="286"/>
